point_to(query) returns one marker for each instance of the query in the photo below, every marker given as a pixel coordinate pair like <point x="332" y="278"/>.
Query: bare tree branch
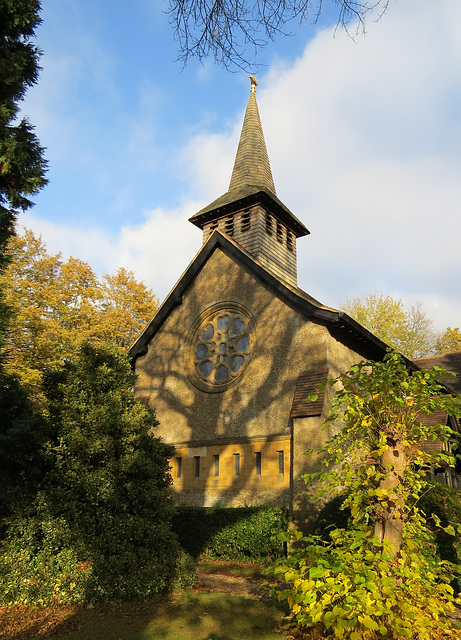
<point x="233" y="30"/>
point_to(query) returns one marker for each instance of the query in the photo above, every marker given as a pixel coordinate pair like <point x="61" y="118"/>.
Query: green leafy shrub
<point x="99" y="529"/>
<point x="382" y="576"/>
<point x="239" y="534"/>
<point x="185" y="572"/>
<point x="350" y="588"/>
<point x="39" y="563"/>
<point x="445" y="503"/>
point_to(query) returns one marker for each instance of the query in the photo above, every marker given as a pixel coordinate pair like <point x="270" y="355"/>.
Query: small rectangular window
<point x="216" y="465"/>
<point x="290" y="243"/>
<point x="269" y="227"/>
<point x="279" y="231"/>
<point x="197" y="466"/>
<point x="178" y="467"/>
<point x="245" y="221"/>
<point x="236" y="464"/>
<point x="281" y="462"/>
<point x="258" y="463"/>
<point x="229" y="226"/>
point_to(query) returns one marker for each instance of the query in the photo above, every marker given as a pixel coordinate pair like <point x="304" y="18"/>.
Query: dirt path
<point x="247" y="587"/>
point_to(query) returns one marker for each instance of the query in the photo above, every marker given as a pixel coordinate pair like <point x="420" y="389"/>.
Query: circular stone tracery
<point x="221" y="347"/>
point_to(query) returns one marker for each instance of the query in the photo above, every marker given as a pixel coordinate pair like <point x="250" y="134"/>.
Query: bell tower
<point x="250" y="212"/>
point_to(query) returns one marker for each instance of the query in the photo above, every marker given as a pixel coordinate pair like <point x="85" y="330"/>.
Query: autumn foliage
<point x="58" y="305"/>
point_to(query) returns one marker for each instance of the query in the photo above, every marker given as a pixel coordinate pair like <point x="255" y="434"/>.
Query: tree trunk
<point x="389" y="528"/>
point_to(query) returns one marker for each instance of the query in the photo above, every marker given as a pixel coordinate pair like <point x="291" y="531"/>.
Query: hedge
<point x="236" y="534"/>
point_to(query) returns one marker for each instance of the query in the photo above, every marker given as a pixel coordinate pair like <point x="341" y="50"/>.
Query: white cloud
<point x="365" y="146"/>
<point x="158" y="250"/>
<point x="364" y="140"/>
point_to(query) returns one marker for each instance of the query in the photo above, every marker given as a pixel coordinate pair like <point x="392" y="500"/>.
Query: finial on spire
<point x="254" y="83"/>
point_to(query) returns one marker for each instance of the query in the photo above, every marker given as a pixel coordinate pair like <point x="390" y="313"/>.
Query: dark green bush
<point x="186" y="572"/>
<point x="239" y="534"/>
<point x="99" y="526"/>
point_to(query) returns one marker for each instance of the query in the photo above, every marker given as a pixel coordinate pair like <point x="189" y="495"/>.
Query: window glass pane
<point x="223" y="323"/>
<point x="206" y="368"/>
<point x="236" y="464"/>
<point x="178" y="467"/>
<point x="258" y="463"/>
<point x="197" y="466"/>
<point x="216" y="465"/>
<point x="236" y="363"/>
<point x="281" y="462"/>
<point x="221" y="373"/>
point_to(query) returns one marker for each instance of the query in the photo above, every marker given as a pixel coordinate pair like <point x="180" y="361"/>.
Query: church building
<point x="234" y="351"/>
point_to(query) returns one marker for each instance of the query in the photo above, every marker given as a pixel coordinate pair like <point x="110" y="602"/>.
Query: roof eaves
<point x="247" y="196"/>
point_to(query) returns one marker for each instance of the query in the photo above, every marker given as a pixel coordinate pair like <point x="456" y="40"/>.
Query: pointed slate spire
<point x="251" y="166"/>
<point x="251" y="183"/>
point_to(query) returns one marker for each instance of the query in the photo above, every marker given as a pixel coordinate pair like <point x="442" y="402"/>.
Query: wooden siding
<point x="264" y="247"/>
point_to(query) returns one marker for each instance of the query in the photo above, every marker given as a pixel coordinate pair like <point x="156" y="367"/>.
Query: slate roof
<point x="308" y="382"/>
<point x="251" y="181"/>
<point x="447" y="361"/>
<point x="251" y="165"/>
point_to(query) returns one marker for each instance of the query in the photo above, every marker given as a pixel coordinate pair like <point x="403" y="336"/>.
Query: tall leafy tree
<point x="58" y="305"/>
<point x="125" y="308"/>
<point x="378" y="578"/>
<point x="449" y="341"/>
<point x="22" y="163"/>
<point x="408" y="331"/>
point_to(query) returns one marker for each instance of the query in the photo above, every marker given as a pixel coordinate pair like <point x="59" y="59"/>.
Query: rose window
<point x="222" y="346"/>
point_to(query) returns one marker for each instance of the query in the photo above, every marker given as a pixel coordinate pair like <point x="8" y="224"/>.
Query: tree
<point x="226" y="28"/>
<point x="22" y="436"/>
<point x="125" y="308"/>
<point x="22" y="163"/>
<point x="100" y="527"/>
<point x="377" y="578"/>
<point x="58" y="305"/>
<point x="449" y="341"/>
<point x="409" y="332"/>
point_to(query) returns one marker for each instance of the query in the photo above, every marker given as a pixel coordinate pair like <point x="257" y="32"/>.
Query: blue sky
<point x="363" y="135"/>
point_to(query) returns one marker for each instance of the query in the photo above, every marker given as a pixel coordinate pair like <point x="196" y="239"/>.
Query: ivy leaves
<point x="377" y="579"/>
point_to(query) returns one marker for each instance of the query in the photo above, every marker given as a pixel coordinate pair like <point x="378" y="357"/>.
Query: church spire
<point x="250" y="212"/>
<point x="251" y="166"/>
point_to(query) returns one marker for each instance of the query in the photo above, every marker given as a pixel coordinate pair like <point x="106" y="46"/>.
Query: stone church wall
<point x="251" y="415"/>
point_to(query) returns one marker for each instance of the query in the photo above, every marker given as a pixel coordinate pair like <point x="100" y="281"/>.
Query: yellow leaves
<point x="368" y="622"/>
<point x="58" y="305"/>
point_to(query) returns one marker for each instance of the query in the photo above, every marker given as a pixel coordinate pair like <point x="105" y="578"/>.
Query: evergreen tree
<point x="22" y="435"/>
<point x="100" y="527"/>
<point x="22" y="163"/>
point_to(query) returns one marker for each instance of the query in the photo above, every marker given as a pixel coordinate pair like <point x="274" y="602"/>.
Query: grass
<point x="190" y="616"/>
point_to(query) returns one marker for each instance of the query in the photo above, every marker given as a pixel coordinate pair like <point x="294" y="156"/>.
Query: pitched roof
<point x="340" y="325"/>
<point x="308" y="382"/>
<point x="449" y="362"/>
